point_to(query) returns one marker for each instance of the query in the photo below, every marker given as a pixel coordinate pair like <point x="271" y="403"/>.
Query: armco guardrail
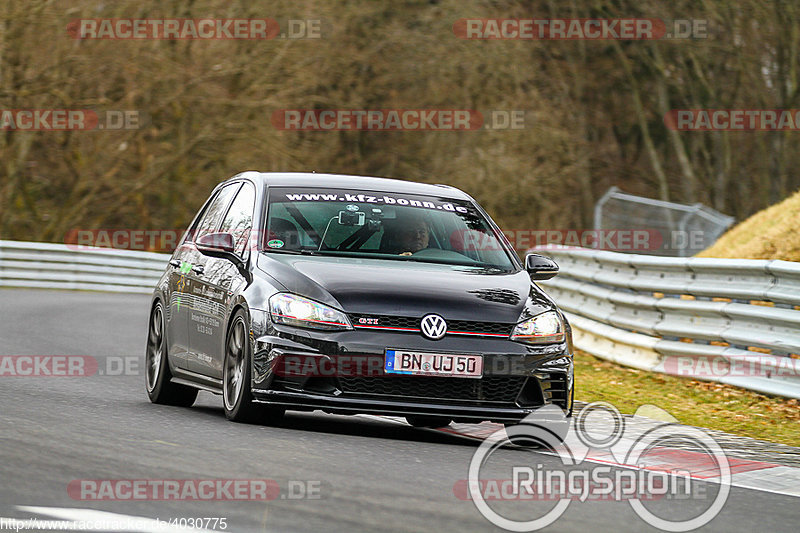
<point x="734" y="321"/>
<point x="59" y="266"/>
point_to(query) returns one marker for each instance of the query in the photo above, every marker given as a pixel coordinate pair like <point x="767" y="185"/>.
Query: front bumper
<point x="517" y="378"/>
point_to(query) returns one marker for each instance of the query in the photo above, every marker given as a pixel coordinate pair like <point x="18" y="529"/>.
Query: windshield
<point x="382" y="225"/>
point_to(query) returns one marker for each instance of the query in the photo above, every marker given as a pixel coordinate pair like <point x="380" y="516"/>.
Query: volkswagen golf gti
<point x="350" y="294"/>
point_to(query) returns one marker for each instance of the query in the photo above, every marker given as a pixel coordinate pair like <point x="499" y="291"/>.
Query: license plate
<point x="433" y="364"/>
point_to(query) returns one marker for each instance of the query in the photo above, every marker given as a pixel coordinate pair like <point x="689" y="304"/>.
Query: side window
<point x="239" y="220"/>
<point x="213" y="215"/>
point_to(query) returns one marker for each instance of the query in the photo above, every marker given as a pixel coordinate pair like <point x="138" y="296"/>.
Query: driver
<point x="408" y="235"/>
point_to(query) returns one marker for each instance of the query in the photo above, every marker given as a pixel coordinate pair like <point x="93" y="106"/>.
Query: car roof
<point x="342" y="181"/>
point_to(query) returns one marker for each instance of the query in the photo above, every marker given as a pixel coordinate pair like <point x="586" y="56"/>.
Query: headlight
<point x="546" y="328"/>
<point x="294" y="310"/>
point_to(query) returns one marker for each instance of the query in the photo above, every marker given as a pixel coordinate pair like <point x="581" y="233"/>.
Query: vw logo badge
<point x="433" y="326"/>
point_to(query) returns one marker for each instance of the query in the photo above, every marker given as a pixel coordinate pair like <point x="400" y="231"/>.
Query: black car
<point x="349" y="294"/>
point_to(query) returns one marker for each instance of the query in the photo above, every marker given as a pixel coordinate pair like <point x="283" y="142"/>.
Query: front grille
<point x="480" y="327"/>
<point x="499" y="389"/>
<point x="387" y="321"/>
<point x="412" y="323"/>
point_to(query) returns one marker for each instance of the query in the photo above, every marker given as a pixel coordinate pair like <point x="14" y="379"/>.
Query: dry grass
<point x="769" y="234"/>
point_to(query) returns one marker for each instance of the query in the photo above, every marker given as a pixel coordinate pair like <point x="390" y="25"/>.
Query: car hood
<point x="407" y="288"/>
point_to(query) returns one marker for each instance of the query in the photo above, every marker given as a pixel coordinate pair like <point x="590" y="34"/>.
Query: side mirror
<point x="219" y="244"/>
<point x="223" y="245"/>
<point x="540" y="267"/>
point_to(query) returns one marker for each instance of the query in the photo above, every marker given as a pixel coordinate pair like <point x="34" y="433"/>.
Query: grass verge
<point x="696" y="403"/>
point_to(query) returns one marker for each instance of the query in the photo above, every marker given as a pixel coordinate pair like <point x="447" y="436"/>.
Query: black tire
<point x="428" y="421"/>
<point x="158" y="378"/>
<point x="237" y="395"/>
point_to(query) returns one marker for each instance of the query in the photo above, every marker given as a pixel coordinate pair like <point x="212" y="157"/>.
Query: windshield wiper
<point x="291" y="252"/>
<point x="340" y="253"/>
<point x="432" y="260"/>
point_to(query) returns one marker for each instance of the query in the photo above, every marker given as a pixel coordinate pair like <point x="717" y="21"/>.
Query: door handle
<point x="198" y="269"/>
<point x="175" y="263"/>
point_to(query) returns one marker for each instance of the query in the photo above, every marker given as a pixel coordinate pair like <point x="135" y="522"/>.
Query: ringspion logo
<point x="640" y="474"/>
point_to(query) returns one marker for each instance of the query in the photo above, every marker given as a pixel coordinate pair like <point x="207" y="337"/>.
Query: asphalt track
<point x="372" y="475"/>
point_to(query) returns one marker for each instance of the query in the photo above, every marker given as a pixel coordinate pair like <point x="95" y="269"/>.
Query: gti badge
<point x="433" y="326"/>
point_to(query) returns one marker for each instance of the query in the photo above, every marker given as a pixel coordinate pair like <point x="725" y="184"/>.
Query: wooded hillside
<point x="594" y="109"/>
